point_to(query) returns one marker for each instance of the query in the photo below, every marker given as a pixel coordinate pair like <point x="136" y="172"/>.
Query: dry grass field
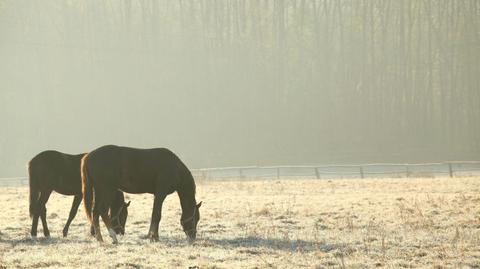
<point x="354" y="223"/>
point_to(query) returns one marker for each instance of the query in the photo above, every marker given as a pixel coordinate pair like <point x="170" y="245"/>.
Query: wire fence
<point x="444" y="169"/>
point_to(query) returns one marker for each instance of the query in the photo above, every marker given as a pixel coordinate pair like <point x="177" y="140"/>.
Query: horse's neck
<point x="186" y="193"/>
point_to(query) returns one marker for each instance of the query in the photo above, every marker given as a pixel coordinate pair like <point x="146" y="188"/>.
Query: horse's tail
<point x="34" y="190"/>
<point x="87" y="189"/>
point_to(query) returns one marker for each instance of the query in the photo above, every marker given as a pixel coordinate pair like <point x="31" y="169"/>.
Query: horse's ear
<point x="199" y="204"/>
<point x="127" y="204"/>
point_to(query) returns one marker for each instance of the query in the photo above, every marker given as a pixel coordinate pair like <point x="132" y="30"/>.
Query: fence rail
<point x="451" y="169"/>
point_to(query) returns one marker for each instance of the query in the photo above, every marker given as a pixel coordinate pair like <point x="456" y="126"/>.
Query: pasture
<point x="341" y="223"/>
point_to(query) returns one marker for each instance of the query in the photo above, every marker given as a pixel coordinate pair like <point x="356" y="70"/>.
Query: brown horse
<point x="55" y="171"/>
<point x="156" y="171"/>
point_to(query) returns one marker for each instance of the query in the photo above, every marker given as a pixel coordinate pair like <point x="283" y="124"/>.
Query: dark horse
<point x="157" y="171"/>
<point x="55" y="171"/>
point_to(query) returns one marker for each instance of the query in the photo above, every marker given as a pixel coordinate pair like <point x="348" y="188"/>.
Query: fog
<point x="242" y="82"/>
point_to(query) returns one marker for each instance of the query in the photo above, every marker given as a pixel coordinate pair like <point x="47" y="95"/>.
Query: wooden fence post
<point x="317" y="173"/>
<point x="361" y="172"/>
<point x="278" y="172"/>
<point x="450" y="169"/>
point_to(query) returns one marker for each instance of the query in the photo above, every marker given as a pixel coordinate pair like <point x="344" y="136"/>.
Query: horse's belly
<point x="63" y="192"/>
<point x="68" y="186"/>
<point x="68" y="191"/>
<point x="136" y="186"/>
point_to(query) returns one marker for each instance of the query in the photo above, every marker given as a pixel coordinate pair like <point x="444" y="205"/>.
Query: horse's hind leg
<point x="100" y="208"/>
<point x="35" y="216"/>
<point x="73" y="212"/>
<point x="92" y="230"/>
<point x="106" y="219"/>
<point x="43" y="211"/>
<point x="96" y="226"/>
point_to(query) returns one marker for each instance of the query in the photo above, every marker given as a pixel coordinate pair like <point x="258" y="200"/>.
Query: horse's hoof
<point x="154" y="239"/>
<point x="65" y="234"/>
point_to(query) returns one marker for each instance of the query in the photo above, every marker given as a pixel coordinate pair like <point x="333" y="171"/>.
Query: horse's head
<point x="189" y="223"/>
<point x="119" y="219"/>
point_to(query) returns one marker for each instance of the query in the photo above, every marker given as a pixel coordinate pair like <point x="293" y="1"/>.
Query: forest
<point x="242" y="82"/>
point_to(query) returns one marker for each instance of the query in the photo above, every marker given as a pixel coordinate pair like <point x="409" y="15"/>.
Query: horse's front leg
<point x="156" y="216"/>
<point x="73" y="211"/>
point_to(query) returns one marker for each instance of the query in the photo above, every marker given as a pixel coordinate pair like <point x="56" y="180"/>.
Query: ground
<point x="295" y="223"/>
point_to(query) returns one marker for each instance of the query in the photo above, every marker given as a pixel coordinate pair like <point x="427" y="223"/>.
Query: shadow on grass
<point x="250" y="242"/>
<point x="253" y="242"/>
<point x="41" y="241"/>
<point x="270" y="243"/>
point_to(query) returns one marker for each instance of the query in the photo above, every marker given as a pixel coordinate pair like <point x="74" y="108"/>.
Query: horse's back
<point x="57" y="170"/>
<point x="132" y="157"/>
<point x="134" y="170"/>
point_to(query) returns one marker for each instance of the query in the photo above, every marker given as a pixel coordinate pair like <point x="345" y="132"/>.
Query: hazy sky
<point x="231" y="82"/>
